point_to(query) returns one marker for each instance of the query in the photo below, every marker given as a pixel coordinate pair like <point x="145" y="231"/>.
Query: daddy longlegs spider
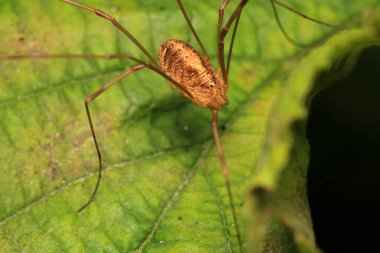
<point x="188" y="71"/>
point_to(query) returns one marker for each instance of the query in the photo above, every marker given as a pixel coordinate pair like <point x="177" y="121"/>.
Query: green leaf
<point x="162" y="189"/>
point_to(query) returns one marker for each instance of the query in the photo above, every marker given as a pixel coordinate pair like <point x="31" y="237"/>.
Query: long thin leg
<point x="156" y="69"/>
<point x="222" y="32"/>
<point x="287" y="36"/>
<point x="86" y="102"/>
<point x="232" y="44"/>
<point x="235" y="18"/>
<point x="101" y="90"/>
<point x="63" y="56"/>
<point x="307" y="17"/>
<point x="115" y="23"/>
<point x="220" y="43"/>
<point x="284" y="32"/>
<point x="192" y="28"/>
<point x="224" y="168"/>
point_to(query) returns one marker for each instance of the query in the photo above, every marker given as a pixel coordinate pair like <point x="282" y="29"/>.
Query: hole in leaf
<point x="344" y="171"/>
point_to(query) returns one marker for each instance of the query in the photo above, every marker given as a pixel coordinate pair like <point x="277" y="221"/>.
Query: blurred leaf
<point x="281" y="217"/>
<point x="162" y="189"/>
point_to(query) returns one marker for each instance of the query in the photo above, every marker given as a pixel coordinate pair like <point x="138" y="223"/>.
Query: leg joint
<point x="103" y="15"/>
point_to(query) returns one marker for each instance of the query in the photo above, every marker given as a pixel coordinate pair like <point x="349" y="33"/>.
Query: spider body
<point x="186" y="66"/>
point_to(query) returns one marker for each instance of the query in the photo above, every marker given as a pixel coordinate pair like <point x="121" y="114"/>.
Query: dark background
<point x="344" y="170"/>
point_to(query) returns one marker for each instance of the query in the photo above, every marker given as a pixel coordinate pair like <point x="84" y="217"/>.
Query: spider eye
<point x="211" y="85"/>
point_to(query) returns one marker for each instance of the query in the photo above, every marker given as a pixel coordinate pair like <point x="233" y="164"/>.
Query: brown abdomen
<point x="186" y="66"/>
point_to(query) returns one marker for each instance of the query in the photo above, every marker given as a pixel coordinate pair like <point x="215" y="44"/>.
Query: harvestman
<point x="187" y="71"/>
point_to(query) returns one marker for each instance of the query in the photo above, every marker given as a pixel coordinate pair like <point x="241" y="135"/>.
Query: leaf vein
<point x="65" y="186"/>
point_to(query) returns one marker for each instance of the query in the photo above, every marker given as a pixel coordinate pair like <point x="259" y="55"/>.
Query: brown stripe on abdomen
<point x="183" y="63"/>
